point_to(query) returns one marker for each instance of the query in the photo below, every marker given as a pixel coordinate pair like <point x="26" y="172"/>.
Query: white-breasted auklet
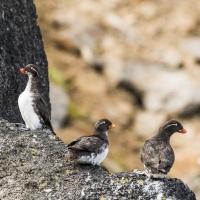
<point x="157" y="154"/>
<point x="91" y="149"/>
<point x="32" y="106"/>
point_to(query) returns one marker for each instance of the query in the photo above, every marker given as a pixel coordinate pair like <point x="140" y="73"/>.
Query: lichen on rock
<point x="33" y="166"/>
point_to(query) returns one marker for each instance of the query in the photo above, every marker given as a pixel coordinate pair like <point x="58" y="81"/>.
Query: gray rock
<point x="192" y="46"/>
<point x="163" y="90"/>
<point x="169" y="56"/>
<point x="59" y="103"/>
<point x="32" y="166"/>
<point x="149" y="119"/>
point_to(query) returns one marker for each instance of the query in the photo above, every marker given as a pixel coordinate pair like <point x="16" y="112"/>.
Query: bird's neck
<point x="33" y="83"/>
<point x="164" y="135"/>
<point x="101" y="135"/>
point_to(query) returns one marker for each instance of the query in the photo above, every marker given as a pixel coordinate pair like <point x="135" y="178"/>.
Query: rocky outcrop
<point x="20" y="44"/>
<point x="33" y="166"/>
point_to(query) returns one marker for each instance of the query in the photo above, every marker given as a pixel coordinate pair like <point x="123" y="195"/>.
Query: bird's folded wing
<point x="149" y="155"/>
<point x="86" y="144"/>
<point x="43" y="111"/>
<point x="159" y="157"/>
<point x="166" y="159"/>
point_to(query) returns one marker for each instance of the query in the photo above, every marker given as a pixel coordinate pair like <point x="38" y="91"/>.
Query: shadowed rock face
<point x="20" y="44"/>
<point x="32" y="166"/>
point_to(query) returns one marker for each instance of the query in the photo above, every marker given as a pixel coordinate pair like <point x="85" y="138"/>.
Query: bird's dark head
<point x="103" y="125"/>
<point x="173" y="126"/>
<point x="30" y="70"/>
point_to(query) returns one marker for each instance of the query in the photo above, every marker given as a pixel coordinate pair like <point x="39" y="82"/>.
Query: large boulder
<point x="20" y="44"/>
<point x="33" y="166"/>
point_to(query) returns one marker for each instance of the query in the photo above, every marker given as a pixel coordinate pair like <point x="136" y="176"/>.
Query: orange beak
<point x="111" y="126"/>
<point x="183" y="131"/>
<point x="22" y="70"/>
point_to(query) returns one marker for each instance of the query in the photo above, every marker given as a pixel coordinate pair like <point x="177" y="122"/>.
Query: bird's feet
<point x="20" y="126"/>
<point x="140" y="172"/>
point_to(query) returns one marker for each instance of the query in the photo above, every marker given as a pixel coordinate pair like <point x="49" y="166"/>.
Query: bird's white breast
<point x="95" y="158"/>
<point x="25" y="102"/>
<point x="101" y="156"/>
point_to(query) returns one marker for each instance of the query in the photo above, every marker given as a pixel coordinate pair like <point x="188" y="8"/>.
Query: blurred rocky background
<point x="134" y="62"/>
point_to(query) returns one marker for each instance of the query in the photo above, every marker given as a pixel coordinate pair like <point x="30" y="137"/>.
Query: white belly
<point x="93" y="159"/>
<point x="25" y="105"/>
<point x="100" y="157"/>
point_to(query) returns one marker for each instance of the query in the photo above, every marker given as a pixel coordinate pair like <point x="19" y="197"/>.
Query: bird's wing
<point x="157" y="155"/>
<point x="43" y="111"/>
<point x="86" y="143"/>
<point x="149" y="155"/>
<point x="166" y="159"/>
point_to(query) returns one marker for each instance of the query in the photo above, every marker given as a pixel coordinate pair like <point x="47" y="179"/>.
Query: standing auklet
<point x="157" y="154"/>
<point x="91" y="149"/>
<point x="32" y="106"/>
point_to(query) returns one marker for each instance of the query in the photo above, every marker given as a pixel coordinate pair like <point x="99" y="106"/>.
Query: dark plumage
<point x="157" y="154"/>
<point x="91" y="149"/>
<point x="32" y="106"/>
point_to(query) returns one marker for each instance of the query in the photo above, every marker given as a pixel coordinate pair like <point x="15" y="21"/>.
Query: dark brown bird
<point x="157" y="154"/>
<point x="32" y="106"/>
<point x="91" y="149"/>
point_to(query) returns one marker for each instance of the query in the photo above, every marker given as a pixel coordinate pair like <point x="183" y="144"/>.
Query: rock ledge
<point x="32" y="166"/>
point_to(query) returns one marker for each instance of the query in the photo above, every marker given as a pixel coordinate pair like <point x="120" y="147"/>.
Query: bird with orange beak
<point x="32" y="106"/>
<point x="157" y="154"/>
<point x="91" y="149"/>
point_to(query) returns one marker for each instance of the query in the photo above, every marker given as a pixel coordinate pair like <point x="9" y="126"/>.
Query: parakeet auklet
<point x="91" y="149"/>
<point x="157" y="154"/>
<point x="32" y="106"/>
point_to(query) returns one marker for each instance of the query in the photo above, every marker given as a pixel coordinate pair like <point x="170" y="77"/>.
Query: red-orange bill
<point x="183" y="131"/>
<point x="111" y="126"/>
<point x="22" y="70"/>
